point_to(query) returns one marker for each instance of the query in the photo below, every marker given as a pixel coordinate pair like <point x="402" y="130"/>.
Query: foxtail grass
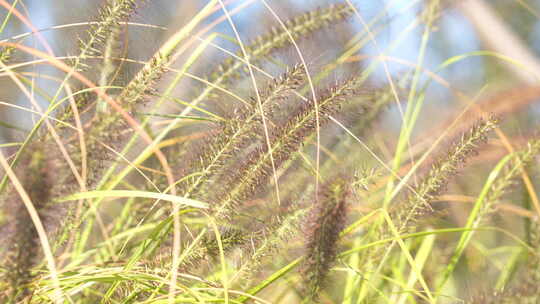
<point x="154" y="189"/>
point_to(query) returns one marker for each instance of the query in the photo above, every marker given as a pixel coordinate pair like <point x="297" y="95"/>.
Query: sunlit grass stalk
<point x="284" y="141"/>
<point x="271" y="240"/>
<point x="108" y="64"/>
<point x="219" y="150"/>
<point x="240" y="129"/>
<point x="415" y="99"/>
<point x="110" y="16"/>
<point x="523" y="287"/>
<point x="277" y="38"/>
<point x="442" y="170"/>
<point x="497" y="184"/>
<point x="422" y="195"/>
<point x="101" y="40"/>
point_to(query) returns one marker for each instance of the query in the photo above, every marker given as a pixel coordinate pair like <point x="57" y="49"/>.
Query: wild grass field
<point x="269" y="151"/>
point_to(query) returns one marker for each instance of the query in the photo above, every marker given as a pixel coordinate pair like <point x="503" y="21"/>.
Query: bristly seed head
<point x="323" y="226"/>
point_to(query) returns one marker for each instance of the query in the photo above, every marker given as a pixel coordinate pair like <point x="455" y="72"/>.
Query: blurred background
<point x="497" y="43"/>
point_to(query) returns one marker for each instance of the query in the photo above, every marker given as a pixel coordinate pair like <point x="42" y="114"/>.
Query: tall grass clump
<point x="271" y="164"/>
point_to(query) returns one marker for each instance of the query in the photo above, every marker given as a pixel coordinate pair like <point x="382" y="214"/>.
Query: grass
<point x="274" y="175"/>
